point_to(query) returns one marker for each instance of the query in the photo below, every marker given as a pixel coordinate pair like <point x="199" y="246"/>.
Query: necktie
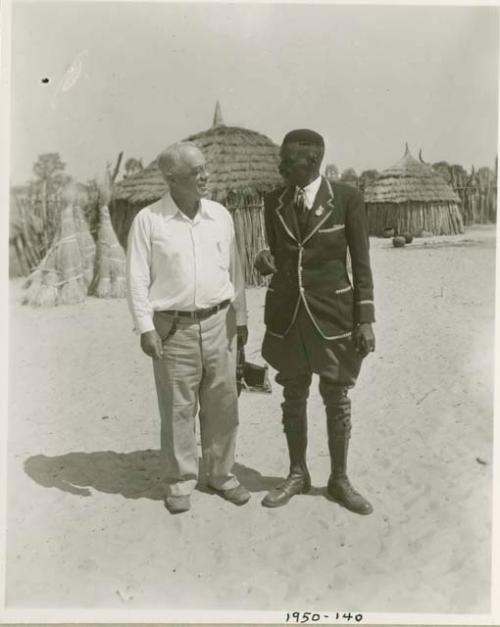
<point x="300" y="200"/>
<point x="300" y="208"/>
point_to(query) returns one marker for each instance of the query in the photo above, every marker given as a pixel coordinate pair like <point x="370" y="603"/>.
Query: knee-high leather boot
<point x="298" y="480"/>
<point x="338" y="412"/>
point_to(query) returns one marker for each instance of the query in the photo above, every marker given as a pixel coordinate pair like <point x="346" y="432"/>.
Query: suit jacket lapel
<point x="286" y="213"/>
<point x="321" y="210"/>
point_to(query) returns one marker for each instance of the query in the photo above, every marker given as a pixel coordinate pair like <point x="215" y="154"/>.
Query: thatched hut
<point x="411" y="197"/>
<point x="242" y="166"/>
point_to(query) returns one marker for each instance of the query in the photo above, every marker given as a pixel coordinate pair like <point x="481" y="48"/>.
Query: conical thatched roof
<point x="409" y="180"/>
<point x="239" y="161"/>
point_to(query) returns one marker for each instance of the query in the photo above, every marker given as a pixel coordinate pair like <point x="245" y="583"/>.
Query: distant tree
<point x="332" y="172"/>
<point x="38" y="205"/>
<point x="44" y="196"/>
<point x="132" y="166"/>
<point x="48" y="166"/>
<point x="366" y="177"/>
<point x="486" y="174"/>
<point x="350" y="177"/>
<point x="50" y="176"/>
<point x="459" y="176"/>
<point x="443" y="168"/>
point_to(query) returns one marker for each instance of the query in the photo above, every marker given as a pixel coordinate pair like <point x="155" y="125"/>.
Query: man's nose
<point x="282" y="169"/>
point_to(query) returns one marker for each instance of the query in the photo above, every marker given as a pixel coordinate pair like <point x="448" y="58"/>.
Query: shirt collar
<point x="310" y="191"/>
<point x="170" y="209"/>
<point x="205" y="209"/>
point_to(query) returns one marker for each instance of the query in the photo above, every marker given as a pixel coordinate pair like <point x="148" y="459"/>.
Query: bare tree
<point x="350" y="177"/>
<point x="133" y="166"/>
<point x="332" y="172"/>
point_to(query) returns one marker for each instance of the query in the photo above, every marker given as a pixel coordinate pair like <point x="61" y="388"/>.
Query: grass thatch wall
<point x="441" y="218"/>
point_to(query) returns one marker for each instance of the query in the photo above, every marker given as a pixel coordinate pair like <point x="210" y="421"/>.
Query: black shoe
<point x="295" y="483"/>
<point x="341" y="491"/>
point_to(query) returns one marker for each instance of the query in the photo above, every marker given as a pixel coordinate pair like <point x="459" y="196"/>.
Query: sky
<point x="138" y="76"/>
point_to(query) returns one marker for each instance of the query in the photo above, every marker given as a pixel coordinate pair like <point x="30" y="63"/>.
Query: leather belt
<point x="199" y="314"/>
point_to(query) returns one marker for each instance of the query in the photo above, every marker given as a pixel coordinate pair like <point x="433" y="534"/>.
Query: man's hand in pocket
<point x="151" y="344"/>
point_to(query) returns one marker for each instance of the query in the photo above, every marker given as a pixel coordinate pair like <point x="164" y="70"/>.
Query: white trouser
<point x="198" y="370"/>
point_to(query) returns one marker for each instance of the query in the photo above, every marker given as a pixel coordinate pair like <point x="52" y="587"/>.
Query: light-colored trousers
<point x="198" y="370"/>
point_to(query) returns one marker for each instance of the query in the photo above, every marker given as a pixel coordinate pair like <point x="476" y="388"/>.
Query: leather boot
<point x="339" y="487"/>
<point x="299" y="480"/>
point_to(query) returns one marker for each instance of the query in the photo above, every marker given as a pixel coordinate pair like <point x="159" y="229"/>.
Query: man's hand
<point x="264" y="263"/>
<point x="242" y="335"/>
<point x="151" y="344"/>
<point x="364" y="338"/>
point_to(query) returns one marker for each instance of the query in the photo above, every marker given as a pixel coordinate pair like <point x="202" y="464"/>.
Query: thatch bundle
<point x="411" y="197"/>
<point x="59" y="278"/>
<point x="242" y="166"/>
<point x="109" y="278"/>
<point x="85" y="240"/>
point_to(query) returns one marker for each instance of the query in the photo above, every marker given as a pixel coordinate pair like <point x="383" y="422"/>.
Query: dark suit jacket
<point x="312" y="266"/>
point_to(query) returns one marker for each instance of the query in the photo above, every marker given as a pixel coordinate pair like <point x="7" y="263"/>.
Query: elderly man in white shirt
<point x="187" y="298"/>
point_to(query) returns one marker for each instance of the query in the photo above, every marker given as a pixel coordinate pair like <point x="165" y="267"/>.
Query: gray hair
<point x="171" y="159"/>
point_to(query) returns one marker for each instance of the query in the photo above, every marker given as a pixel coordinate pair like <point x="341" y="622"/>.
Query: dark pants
<point x="302" y="353"/>
<point x="294" y="406"/>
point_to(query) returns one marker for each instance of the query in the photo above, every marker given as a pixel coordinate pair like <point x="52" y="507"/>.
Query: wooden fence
<point x="478" y="203"/>
<point x="250" y="236"/>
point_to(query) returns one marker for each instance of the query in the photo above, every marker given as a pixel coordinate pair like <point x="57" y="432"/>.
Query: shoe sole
<point x="342" y="504"/>
<point x="237" y="503"/>
<point x="304" y="490"/>
<point x="221" y="494"/>
<point x="177" y="511"/>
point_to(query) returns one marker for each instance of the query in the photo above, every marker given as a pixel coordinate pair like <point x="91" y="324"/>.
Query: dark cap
<point x="304" y="136"/>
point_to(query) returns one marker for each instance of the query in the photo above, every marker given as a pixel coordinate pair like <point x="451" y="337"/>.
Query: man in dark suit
<point x="316" y="321"/>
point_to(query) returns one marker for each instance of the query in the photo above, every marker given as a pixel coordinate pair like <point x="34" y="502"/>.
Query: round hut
<point x="413" y="198"/>
<point x="242" y="166"/>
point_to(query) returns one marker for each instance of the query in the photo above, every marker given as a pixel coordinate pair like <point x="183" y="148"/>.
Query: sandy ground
<point x="86" y="523"/>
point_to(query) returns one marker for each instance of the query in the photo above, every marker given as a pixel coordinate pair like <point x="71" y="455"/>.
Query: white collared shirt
<point x="177" y="263"/>
<point x="310" y="192"/>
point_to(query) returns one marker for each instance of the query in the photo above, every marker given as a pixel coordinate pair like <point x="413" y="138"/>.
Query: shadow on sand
<point x="134" y="475"/>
